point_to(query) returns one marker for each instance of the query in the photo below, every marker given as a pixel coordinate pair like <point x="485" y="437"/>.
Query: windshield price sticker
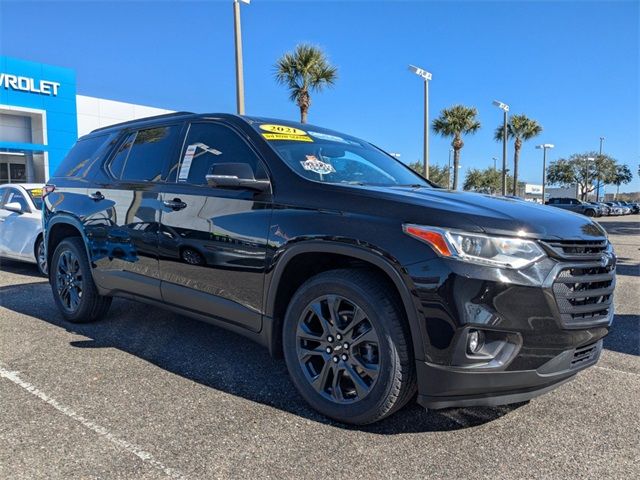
<point x="186" y="162"/>
<point x="312" y="164"/>
<point x="287" y="136"/>
<point x="267" y="127"/>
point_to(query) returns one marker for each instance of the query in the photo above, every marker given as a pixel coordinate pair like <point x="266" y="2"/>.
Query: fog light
<point x="475" y="341"/>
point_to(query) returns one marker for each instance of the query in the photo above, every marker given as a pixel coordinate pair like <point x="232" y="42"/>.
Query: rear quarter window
<point x="83" y="156"/>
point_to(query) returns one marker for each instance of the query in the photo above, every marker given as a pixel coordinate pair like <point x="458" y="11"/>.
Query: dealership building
<point x="42" y="115"/>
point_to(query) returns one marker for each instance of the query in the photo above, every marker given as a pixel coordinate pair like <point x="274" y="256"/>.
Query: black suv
<point x="577" y="206"/>
<point x="369" y="280"/>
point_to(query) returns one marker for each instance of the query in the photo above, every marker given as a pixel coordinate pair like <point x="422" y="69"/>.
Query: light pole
<point x="598" y="170"/>
<point x="586" y="178"/>
<point x="449" y="170"/>
<point x="505" y="109"/>
<point x="544" y="147"/>
<point x="239" y="69"/>
<point x="426" y="76"/>
<point x="494" y="163"/>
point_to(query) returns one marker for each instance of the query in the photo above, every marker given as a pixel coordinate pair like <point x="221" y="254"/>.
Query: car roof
<point x="27" y="186"/>
<point x="250" y="120"/>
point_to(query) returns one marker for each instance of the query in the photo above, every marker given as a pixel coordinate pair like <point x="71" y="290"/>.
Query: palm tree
<point x="521" y="128"/>
<point x="456" y="122"/>
<point x="303" y="70"/>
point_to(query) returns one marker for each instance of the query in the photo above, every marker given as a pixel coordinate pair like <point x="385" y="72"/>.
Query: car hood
<point x="494" y="215"/>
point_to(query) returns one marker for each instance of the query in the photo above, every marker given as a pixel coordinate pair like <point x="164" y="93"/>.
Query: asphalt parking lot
<point x="148" y="394"/>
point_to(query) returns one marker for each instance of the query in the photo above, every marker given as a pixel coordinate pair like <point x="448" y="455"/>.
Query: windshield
<point x="333" y="158"/>
<point x="36" y="196"/>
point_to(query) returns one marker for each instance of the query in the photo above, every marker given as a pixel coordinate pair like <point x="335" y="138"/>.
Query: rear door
<point x="213" y="241"/>
<point x="128" y="197"/>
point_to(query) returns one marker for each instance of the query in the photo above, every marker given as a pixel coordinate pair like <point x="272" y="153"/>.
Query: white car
<point x="21" y="224"/>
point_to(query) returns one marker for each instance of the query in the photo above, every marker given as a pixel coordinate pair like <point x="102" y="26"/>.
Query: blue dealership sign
<point x="47" y="95"/>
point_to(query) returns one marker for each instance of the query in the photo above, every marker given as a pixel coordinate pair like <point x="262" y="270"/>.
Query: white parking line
<point x="100" y="430"/>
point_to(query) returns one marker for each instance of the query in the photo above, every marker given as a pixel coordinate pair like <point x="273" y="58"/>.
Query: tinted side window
<point x="81" y="157"/>
<point x="143" y="154"/>
<point x="14" y="195"/>
<point x="208" y="144"/>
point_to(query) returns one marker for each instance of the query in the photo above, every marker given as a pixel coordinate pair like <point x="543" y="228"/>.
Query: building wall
<point x="98" y="112"/>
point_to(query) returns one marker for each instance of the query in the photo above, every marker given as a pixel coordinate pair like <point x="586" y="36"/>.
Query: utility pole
<point x="239" y="68"/>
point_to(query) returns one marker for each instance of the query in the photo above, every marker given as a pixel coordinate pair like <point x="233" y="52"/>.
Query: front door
<point x="213" y="241"/>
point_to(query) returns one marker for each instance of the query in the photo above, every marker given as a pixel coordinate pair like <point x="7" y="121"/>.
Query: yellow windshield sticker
<point x="287" y="136"/>
<point x="282" y="129"/>
<point x="36" y="192"/>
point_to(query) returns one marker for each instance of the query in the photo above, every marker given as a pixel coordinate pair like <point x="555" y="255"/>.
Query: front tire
<point x="74" y="291"/>
<point x="41" y="257"/>
<point x="348" y="348"/>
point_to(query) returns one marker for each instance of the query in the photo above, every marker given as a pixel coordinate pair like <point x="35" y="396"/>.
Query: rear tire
<point x="74" y="291"/>
<point x="369" y="372"/>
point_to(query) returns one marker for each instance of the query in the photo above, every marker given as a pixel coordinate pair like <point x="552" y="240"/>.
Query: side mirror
<point x="235" y="175"/>
<point x="14" y="207"/>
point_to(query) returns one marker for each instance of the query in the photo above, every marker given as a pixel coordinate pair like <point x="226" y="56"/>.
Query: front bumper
<point x="451" y="387"/>
<point x="539" y="328"/>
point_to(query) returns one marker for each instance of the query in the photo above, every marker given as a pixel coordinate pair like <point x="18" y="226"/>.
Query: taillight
<point x="47" y="190"/>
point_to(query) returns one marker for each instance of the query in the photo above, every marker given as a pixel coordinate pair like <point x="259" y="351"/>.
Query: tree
<point x="483" y="181"/>
<point x="455" y="122"/>
<point x="621" y="175"/>
<point x="488" y="181"/>
<point x="437" y="174"/>
<point x="520" y="128"/>
<point x="304" y="70"/>
<point x="581" y="169"/>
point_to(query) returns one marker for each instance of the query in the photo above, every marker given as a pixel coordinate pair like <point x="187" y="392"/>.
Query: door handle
<point x="175" y="204"/>
<point x="97" y="196"/>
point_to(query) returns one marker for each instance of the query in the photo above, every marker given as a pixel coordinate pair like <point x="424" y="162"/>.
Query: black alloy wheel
<point x="74" y="290"/>
<point x="69" y="281"/>
<point x="347" y="345"/>
<point x="338" y="349"/>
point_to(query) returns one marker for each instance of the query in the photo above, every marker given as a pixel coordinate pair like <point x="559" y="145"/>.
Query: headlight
<point x="505" y="252"/>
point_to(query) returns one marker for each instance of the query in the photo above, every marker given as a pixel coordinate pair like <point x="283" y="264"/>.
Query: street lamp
<point x="494" y="162"/>
<point x="239" y="70"/>
<point x="505" y="108"/>
<point x="426" y="76"/>
<point x="598" y="170"/>
<point x="544" y="147"/>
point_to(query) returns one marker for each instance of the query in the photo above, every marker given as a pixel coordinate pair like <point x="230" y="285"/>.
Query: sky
<point x="572" y="66"/>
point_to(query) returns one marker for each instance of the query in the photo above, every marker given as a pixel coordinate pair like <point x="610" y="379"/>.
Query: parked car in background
<point x="575" y="205"/>
<point x="604" y="208"/>
<point x="21" y="224"/>
<point x="619" y="209"/>
<point x="633" y="207"/>
<point x="374" y="284"/>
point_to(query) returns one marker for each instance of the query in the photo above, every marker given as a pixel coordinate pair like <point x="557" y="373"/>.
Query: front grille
<point x="584" y="293"/>
<point x="576" y="249"/>
<point x="584" y="355"/>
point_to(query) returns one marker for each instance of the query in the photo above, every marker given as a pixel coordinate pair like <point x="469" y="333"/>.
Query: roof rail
<point x="140" y="120"/>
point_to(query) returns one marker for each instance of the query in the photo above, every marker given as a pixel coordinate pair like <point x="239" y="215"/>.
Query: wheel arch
<point x="60" y="227"/>
<point x="277" y="291"/>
